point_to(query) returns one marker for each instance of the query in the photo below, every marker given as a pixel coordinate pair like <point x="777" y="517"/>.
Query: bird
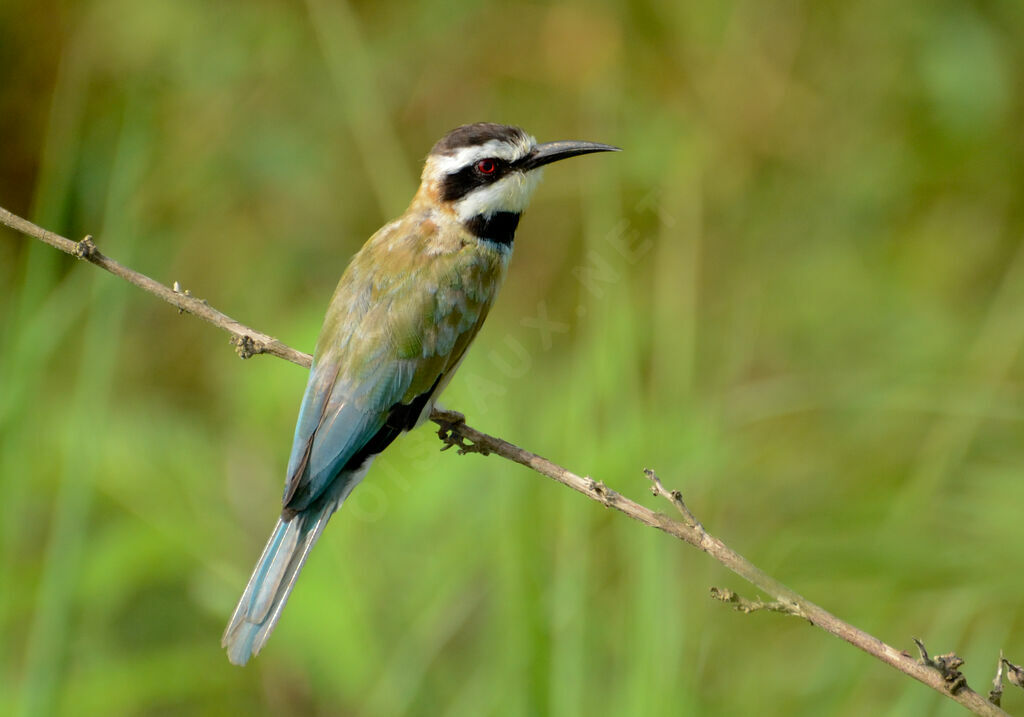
<point x="405" y="311"/>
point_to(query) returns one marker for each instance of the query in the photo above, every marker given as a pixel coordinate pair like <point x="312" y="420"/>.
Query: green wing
<point x="400" y="321"/>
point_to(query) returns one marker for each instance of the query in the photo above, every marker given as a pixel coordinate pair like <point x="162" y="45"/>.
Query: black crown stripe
<point x="471" y="135"/>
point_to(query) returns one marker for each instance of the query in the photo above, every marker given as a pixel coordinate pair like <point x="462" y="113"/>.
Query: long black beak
<point x="553" y="151"/>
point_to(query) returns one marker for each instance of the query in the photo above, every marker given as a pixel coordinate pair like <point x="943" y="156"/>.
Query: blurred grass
<point x="798" y="294"/>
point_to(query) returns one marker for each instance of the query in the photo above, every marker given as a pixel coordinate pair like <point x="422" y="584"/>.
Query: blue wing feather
<point x="334" y="457"/>
<point x="311" y="412"/>
<point x="383" y="354"/>
<point x="336" y="421"/>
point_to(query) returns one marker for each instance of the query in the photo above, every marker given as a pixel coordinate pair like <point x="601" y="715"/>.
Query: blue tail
<point x="272" y="581"/>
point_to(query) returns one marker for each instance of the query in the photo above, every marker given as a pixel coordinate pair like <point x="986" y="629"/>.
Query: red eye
<point x="486" y="166"/>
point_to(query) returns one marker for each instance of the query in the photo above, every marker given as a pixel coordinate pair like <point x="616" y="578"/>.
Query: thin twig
<point x="675" y="498"/>
<point x="248" y="342"/>
<point x="742" y="604"/>
<point x="1014" y="673"/>
<point x="995" y="695"/>
<point x="456" y="433"/>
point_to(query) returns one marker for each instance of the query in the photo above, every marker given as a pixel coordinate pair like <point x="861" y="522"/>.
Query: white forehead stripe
<point x="500" y="148"/>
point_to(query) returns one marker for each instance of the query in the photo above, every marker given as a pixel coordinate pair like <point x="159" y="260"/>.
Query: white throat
<point x="511" y="193"/>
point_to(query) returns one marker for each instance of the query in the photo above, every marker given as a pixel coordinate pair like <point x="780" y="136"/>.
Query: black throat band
<point x="500" y="227"/>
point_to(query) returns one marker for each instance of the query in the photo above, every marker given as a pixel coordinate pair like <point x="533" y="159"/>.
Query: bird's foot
<point x="449" y="423"/>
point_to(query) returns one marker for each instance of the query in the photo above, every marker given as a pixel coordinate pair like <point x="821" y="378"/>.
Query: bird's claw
<point x="448" y="431"/>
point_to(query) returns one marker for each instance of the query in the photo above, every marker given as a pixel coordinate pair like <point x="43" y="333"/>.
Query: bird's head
<point x="482" y="171"/>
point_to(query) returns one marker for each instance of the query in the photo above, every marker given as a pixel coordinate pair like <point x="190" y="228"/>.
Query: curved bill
<point x="553" y="151"/>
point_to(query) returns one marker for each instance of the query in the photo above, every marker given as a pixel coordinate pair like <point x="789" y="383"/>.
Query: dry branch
<point x="940" y="674"/>
<point x="248" y="342"/>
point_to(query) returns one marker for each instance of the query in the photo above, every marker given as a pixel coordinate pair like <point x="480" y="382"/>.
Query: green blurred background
<point x="798" y="294"/>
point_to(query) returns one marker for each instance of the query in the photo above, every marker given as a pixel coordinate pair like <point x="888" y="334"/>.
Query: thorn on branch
<point x="86" y="248"/>
<point x="675" y="498"/>
<point x="741" y="604"/>
<point x="246" y="347"/>
<point x="176" y="288"/>
<point x="948" y="666"/>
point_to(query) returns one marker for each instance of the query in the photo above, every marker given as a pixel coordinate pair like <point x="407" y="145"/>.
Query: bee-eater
<point x="404" y="312"/>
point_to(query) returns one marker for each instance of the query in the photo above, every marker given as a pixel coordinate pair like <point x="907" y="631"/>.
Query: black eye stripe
<point x="458" y="184"/>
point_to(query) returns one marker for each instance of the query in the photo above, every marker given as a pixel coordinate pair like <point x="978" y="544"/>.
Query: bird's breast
<point x="420" y="288"/>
